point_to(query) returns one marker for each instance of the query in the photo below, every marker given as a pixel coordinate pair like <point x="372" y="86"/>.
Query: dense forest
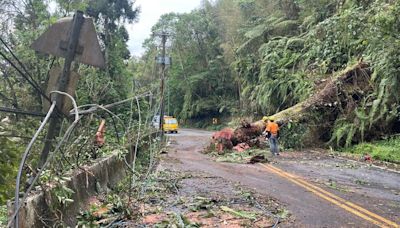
<point x="255" y="58"/>
<point x="230" y="59"/>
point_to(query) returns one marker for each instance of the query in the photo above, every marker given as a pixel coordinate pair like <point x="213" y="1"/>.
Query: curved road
<point x="318" y="190"/>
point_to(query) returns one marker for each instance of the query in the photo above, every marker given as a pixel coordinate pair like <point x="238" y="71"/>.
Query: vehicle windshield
<point x="170" y="121"/>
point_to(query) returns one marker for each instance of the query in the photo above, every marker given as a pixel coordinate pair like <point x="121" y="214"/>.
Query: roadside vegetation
<point x="21" y="68"/>
<point x="385" y="150"/>
<point x="231" y="59"/>
<point x="242" y="157"/>
<point x="3" y="215"/>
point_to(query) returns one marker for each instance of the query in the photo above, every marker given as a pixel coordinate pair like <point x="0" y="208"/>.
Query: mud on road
<point x="374" y="191"/>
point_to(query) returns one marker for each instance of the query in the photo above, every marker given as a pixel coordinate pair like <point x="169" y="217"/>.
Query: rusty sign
<point x="55" y="41"/>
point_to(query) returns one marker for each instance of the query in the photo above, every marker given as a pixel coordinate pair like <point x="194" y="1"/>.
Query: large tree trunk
<point x="353" y="79"/>
<point x="356" y="75"/>
<point x="246" y="132"/>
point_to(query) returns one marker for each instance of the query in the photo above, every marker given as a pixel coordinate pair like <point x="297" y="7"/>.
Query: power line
<point x="27" y="78"/>
<point x="19" y="62"/>
<point x="30" y="82"/>
<point x="18" y="111"/>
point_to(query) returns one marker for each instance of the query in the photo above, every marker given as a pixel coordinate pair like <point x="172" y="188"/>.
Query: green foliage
<point x="57" y="185"/>
<point x="177" y="220"/>
<point x="199" y="81"/>
<point x="104" y="213"/>
<point x="240" y="214"/>
<point x="270" y="55"/>
<point x="89" y="218"/>
<point x="343" y="133"/>
<point x="333" y="37"/>
<point x="334" y="41"/>
<point x="292" y="135"/>
<point x="113" y="11"/>
<point x="68" y="7"/>
<point x="257" y="31"/>
<point x="62" y="192"/>
<point x="242" y="157"/>
<point x="3" y="215"/>
<point x="94" y="86"/>
<point x="377" y="41"/>
<point x="285" y="28"/>
<point x="9" y="155"/>
<point x="385" y="150"/>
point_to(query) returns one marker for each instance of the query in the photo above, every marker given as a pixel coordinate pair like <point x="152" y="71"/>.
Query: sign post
<point x="62" y="84"/>
<point x="74" y="39"/>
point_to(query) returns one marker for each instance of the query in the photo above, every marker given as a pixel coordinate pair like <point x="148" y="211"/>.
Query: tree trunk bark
<point x="326" y="97"/>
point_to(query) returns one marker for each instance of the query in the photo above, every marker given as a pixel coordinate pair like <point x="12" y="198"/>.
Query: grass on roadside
<point x="385" y="150"/>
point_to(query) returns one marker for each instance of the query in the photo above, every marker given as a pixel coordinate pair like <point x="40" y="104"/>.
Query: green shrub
<point x="3" y="215"/>
<point x="385" y="150"/>
<point x="292" y="135"/>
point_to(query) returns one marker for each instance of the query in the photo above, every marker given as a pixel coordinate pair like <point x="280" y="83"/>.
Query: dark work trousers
<point x="273" y="144"/>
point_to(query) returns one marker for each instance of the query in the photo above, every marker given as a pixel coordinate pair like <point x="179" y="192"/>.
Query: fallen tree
<point x="353" y="80"/>
<point x="338" y="95"/>
<point x="245" y="136"/>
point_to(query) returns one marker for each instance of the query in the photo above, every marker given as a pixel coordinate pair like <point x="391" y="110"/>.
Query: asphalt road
<point x="318" y="190"/>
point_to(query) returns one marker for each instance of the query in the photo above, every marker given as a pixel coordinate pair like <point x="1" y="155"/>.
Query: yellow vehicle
<point x="170" y="124"/>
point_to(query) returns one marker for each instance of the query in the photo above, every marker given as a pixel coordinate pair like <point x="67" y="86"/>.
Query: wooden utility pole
<point x="162" y="105"/>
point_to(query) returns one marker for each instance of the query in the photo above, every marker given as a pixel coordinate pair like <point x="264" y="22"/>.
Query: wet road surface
<point x="319" y="190"/>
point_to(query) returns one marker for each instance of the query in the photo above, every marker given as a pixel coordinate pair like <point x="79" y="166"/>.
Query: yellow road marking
<point x="342" y="205"/>
<point x="355" y="206"/>
<point x="346" y="205"/>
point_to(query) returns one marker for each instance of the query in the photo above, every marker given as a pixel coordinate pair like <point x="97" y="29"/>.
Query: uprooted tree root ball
<point x="245" y="136"/>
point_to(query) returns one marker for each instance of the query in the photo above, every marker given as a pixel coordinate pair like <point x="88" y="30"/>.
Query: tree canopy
<point x="257" y="57"/>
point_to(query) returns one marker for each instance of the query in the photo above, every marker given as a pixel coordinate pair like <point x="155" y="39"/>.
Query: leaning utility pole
<point x="75" y="40"/>
<point x="71" y="48"/>
<point x="163" y="41"/>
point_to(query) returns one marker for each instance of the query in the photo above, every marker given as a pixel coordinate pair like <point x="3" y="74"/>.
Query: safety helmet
<point x="265" y="118"/>
<point x="271" y="118"/>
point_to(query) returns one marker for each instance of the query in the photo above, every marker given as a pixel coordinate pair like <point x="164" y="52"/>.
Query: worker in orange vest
<point x="272" y="134"/>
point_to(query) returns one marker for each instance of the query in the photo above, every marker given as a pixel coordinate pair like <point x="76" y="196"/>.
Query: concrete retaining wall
<point x="107" y="172"/>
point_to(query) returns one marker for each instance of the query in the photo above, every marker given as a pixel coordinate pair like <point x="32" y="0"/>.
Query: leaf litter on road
<point x="248" y="156"/>
<point x="206" y="202"/>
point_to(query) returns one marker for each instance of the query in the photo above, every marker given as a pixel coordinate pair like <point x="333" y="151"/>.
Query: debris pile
<point x="223" y="139"/>
<point x="247" y="135"/>
<point x="227" y="205"/>
<point x="258" y="159"/>
<point x="241" y="147"/>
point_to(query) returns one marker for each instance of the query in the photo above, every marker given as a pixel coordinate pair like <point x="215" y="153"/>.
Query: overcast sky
<point x="151" y="10"/>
